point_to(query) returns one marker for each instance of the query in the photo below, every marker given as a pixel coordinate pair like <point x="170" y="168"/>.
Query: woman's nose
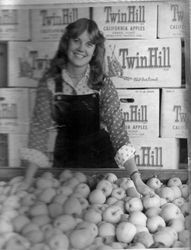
<point x="81" y="46"/>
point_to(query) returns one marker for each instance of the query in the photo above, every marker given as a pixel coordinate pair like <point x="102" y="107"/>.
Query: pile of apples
<point x="70" y="213"/>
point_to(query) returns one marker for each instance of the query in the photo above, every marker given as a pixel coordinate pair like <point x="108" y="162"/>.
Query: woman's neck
<point x="76" y="72"/>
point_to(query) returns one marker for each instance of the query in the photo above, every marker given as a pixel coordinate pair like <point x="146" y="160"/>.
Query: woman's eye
<point x="89" y="44"/>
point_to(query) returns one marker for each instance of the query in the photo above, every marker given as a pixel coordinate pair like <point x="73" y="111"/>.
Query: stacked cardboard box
<point x="144" y="58"/>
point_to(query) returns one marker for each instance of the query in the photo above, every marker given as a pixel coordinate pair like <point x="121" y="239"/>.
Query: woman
<point x="82" y="101"/>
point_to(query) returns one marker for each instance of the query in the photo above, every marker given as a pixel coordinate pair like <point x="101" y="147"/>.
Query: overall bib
<point x="80" y="143"/>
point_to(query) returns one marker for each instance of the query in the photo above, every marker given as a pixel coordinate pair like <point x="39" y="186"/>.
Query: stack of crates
<point x="144" y="58"/>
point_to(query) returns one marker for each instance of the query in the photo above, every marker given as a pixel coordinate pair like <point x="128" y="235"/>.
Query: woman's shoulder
<point x="108" y="83"/>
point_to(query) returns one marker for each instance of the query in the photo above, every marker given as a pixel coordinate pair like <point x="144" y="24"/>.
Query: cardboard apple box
<point x="14" y="110"/>
<point x="127" y="20"/>
<point x="156" y="153"/>
<point x="171" y="19"/>
<point x="10" y="145"/>
<point x="140" y="108"/>
<point x="28" y="61"/>
<point x="14" y="24"/>
<point x="144" y="63"/>
<point x="173" y="113"/>
<point x="49" y="24"/>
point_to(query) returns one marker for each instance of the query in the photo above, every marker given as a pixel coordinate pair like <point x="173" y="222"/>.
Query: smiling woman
<point x="77" y="97"/>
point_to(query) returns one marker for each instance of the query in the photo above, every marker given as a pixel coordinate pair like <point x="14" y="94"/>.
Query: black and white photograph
<point x="95" y="124"/>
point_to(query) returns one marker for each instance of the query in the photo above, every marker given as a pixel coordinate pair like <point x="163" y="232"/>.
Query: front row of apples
<point x="66" y="214"/>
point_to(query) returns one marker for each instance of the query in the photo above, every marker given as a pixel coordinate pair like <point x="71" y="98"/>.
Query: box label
<point x="28" y="62"/>
<point x="171" y="19"/>
<point x="14" y="110"/>
<point x="14" y="24"/>
<point x="173" y="113"/>
<point x="144" y="63"/>
<point x="154" y="153"/>
<point x="140" y="109"/>
<point x="135" y="20"/>
<point x="49" y="24"/>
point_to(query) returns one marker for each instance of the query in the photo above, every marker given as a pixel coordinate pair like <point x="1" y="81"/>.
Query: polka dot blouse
<point x="110" y="118"/>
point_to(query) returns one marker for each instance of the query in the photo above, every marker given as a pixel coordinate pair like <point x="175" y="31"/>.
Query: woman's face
<point x="80" y="50"/>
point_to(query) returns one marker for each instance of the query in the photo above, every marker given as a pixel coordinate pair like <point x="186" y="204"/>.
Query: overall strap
<point x="58" y="85"/>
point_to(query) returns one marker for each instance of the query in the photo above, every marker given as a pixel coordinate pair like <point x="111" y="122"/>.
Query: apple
<point x="111" y="177"/>
<point x="17" y="242"/>
<point x="28" y="200"/>
<point x="47" y="195"/>
<point x="187" y="222"/>
<point x="184" y="188"/>
<point x="65" y="175"/>
<point x="125" y="183"/>
<point x="71" y="182"/>
<point x="174" y="181"/>
<point x="125" y="232"/>
<point x="151" y="200"/>
<point x="31" y="226"/>
<point x="112" y="214"/>
<point x="58" y="242"/>
<point x="177" y="192"/>
<point x="19" y="222"/>
<point x="106" y="229"/>
<point x="89" y="226"/>
<point x="137" y="218"/>
<point x="134" y="204"/>
<point x="152" y="211"/>
<point x="141" y="228"/>
<point x="179" y="201"/>
<point x="55" y="209"/>
<point x="118" y="193"/>
<point x="121" y="204"/>
<point x="145" y="238"/>
<point x="177" y="223"/>
<point x="82" y="237"/>
<point x="34" y="236"/>
<point x="184" y="236"/>
<point x="117" y="245"/>
<point x="178" y="244"/>
<point x="154" y="223"/>
<point x="38" y="209"/>
<point x="185" y="208"/>
<point x="97" y="196"/>
<point x="154" y="182"/>
<point x="83" y="201"/>
<point x="80" y="176"/>
<point x="43" y="183"/>
<point x="5" y="226"/>
<point x="170" y="211"/>
<point x="64" y="190"/>
<point x="83" y="189"/>
<point x="105" y="186"/>
<point x="65" y="222"/>
<point x="167" y="193"/>
<point x="163" y="201"/>
<point x="72" y="206"/>
<point x="92" y="215"/>
<point x="41" y="220"/>
<point x="165" y="236"/>
<point x="111" y="200"/>
<point x="60" y="198"/>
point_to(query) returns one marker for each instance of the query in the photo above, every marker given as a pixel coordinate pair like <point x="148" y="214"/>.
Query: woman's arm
<point x="41" y="121"/>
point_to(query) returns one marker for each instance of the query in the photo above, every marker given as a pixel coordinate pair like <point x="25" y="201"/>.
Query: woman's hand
<point x="141" y="187"/>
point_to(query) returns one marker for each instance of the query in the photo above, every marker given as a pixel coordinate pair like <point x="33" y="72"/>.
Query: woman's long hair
<point x="97" y="65"/>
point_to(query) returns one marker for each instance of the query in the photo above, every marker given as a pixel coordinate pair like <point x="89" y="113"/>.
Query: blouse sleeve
<point x="112" y="118"/>
<point x="39" y="128"/>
